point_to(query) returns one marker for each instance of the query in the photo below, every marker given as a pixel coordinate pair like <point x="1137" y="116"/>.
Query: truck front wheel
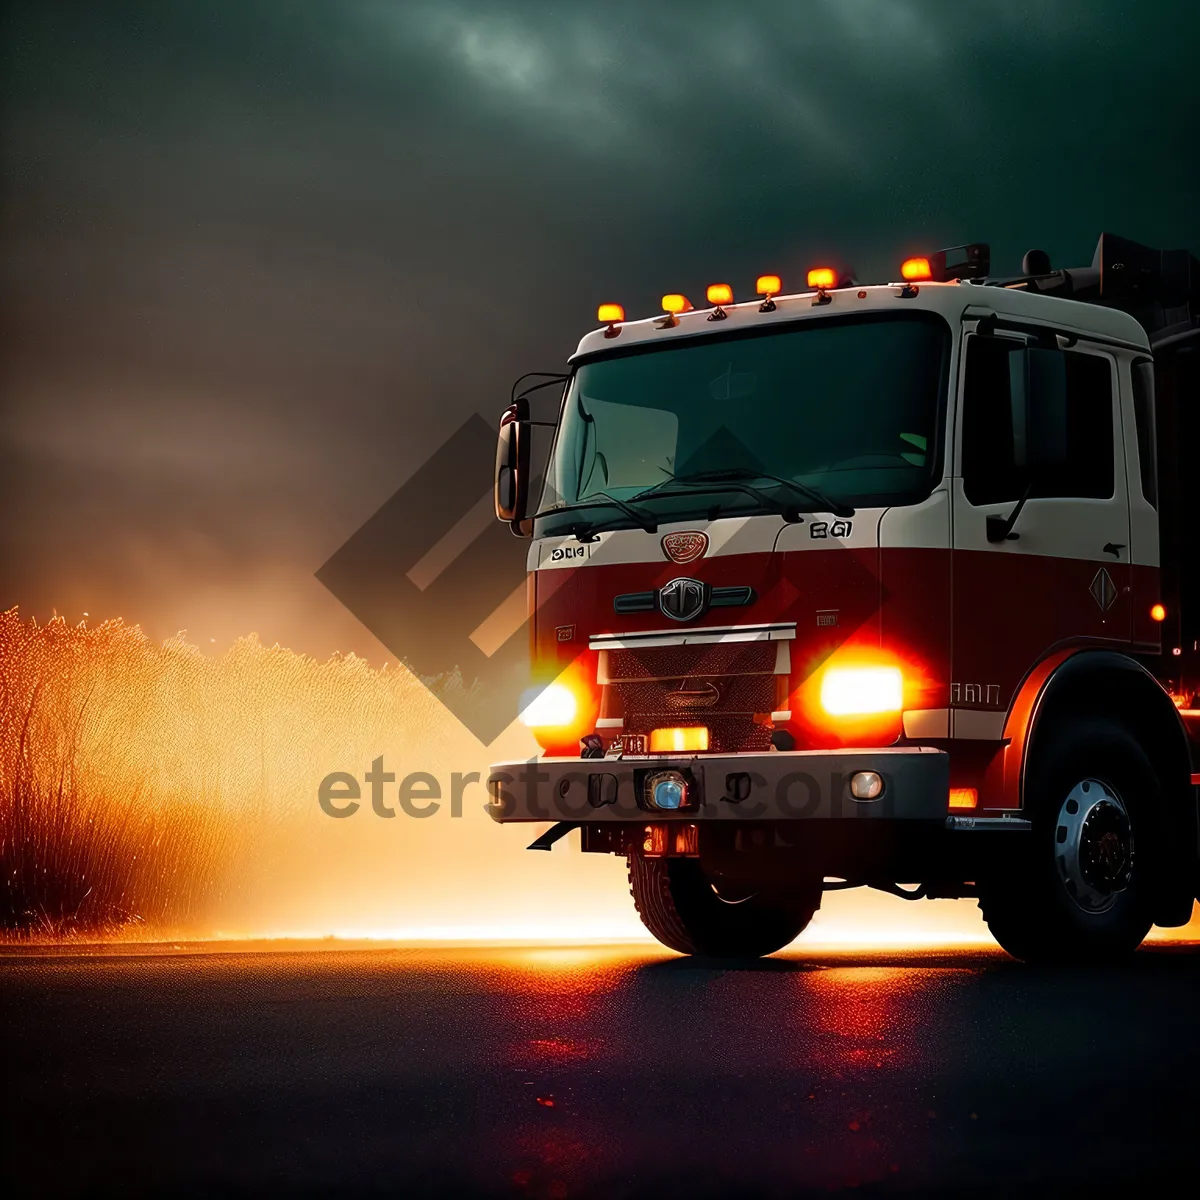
<point x="1081" y="887"/>
<point x="679" y="905"/>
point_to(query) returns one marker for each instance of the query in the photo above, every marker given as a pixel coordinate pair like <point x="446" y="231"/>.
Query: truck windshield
<point x="777" y="420"/>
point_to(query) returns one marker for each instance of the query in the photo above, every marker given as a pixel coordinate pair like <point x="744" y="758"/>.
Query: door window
<point x="1143" y="413"/>
<point x="991" y="473"/>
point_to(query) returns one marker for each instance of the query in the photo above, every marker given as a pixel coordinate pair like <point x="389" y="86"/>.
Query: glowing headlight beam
<point x="549" y="707"/>
<point x="860" y="691"/>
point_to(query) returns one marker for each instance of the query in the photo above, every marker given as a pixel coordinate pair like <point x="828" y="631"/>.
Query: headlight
<point x="550" y="707"/>
<point x="859" y="691"/>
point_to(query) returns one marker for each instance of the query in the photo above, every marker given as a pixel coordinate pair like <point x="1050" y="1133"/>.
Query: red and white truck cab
<point x="891" y="586"/>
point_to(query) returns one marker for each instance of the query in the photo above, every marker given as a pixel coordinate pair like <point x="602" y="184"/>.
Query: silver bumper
<point x="780" y="786"/>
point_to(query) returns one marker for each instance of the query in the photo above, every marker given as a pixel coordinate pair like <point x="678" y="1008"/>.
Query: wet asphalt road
<point x="560" y="1073"/>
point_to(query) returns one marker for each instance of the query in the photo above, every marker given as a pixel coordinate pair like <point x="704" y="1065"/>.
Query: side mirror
<point x="512" y="465"/>
<point x="1038" y="394"/>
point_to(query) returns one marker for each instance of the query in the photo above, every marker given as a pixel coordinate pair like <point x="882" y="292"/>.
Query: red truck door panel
<point x="1065" y="579"/>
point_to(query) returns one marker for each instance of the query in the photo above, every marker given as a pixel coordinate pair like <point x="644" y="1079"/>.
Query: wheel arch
<point x="1109" y="685"/>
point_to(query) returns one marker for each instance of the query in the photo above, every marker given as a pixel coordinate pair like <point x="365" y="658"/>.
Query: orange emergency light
<point x="679" y="740"/>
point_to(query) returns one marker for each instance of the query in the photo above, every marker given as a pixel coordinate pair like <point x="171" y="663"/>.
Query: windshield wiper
<point x="789" y="512"/>
<point x="641" y="519"/>
<point x="838" y="507"/>
<point x="736" y="477"/>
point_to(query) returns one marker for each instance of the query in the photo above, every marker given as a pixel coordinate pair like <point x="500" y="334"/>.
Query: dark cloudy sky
<point x="258" y="260"/>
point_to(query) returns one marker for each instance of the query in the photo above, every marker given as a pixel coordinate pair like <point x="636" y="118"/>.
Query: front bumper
<point x="798" y="785"/>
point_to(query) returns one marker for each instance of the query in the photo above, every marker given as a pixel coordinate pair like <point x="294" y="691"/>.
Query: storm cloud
<point x="258" y="262"/>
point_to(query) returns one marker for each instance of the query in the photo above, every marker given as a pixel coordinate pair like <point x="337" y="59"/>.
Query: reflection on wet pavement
<point x="561" y="1072"/>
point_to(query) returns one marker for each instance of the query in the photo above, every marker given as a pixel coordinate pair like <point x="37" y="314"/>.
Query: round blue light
<point x="669" y="793"/>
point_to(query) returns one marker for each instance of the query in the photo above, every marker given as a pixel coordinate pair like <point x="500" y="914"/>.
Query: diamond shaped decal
<point x="1103" y="590"/>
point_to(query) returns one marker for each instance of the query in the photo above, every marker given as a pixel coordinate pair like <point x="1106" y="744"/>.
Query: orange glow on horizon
<point x="876" y="926"/>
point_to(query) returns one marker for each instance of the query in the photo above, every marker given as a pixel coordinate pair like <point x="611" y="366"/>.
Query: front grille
<point x="715" y="658"/>
<point x="721" y="685"/>
<point x="696" y="696"/>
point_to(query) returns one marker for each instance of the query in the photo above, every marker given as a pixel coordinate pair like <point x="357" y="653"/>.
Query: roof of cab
<point x="951" y="300"/>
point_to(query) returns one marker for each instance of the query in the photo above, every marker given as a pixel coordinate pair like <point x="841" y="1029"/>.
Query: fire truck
<point x="894" y="586"/>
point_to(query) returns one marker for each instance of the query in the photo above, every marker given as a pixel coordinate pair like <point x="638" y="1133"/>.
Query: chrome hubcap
<point x="1094" y="845"/>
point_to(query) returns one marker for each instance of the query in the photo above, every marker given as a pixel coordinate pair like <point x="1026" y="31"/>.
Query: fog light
<point x="667" y="791"/>
<point x="866" y="785"/>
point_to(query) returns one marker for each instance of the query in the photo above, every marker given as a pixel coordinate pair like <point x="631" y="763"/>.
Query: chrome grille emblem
<point x="685" y="546"/>
<point x="682" y="599"/>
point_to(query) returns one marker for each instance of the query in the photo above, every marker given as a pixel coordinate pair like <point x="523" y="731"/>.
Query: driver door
<point x="1063" y="577"/>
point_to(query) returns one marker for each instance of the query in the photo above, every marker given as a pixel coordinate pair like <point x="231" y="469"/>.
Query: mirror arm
<point x="550" y="378"/>
<point x="1000" y="529"/>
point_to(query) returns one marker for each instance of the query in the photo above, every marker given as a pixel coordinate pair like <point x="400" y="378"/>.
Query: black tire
<point x="1081" y="889"/>
<point x="678" y="904"/>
